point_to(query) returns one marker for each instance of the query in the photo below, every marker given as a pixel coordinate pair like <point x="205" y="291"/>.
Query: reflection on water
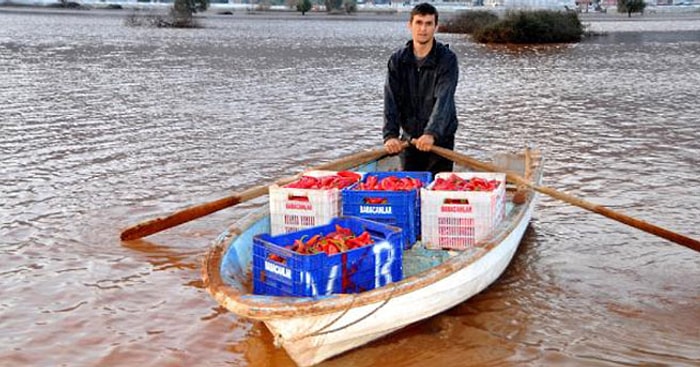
<point x="104" y="126"/>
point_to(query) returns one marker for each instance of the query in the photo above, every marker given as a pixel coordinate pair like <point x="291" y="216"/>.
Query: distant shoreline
<point x="362" y="15"/>
<point x="380" y="14"/>
<point x="649" y="15"/>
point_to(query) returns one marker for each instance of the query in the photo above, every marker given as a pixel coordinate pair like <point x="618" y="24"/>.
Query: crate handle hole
<point x="457" y="201"/>
<point x="375" y="201"/>
<point x="298" y="198"/>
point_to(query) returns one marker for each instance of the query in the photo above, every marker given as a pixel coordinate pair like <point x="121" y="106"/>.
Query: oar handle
<point x="514" y="177"/>
<point x="156" y="225"/>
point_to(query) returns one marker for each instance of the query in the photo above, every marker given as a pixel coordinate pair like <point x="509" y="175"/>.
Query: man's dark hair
<point x="424" y="9"/>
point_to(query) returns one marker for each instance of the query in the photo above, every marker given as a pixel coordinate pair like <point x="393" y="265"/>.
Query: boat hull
<point x="311" y="339"/>
<point x="314" y="329"/>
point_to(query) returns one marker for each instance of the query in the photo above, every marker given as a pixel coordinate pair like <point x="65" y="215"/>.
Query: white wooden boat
<point x="314" y="329"/>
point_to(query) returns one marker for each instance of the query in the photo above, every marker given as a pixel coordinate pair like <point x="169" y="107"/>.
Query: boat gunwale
<point x="262" y="307"/>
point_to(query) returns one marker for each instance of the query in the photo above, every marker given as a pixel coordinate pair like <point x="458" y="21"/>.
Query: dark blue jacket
<point x="421" y="100"/>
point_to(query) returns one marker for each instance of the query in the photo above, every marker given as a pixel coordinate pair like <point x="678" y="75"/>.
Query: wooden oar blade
<point x="622" y="218"/>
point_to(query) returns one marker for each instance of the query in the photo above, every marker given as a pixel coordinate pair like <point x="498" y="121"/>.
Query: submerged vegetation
<point x="521" y="26"/>
<point x="180" y="15"/>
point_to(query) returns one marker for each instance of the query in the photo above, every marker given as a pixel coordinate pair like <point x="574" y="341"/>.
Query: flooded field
<point x="103" y="126"/>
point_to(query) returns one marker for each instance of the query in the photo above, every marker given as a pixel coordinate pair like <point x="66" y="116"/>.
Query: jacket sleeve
<point x="440" y="119"/>
<point x="392" y="125"/>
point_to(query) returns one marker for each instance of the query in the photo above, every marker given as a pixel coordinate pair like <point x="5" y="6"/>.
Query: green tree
<point x="631" y="6"/>
<point x="303" y="6"/>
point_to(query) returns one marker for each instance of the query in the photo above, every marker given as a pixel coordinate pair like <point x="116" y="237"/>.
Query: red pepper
<point x="331" y="249"/>
<point x="375" y="201"/>
<point x="371" y="183"/>
<point x="365" y="238"/>
<point x="354" y="177"/>
<point x="342" y="231"/>
<point x="299" y="246"/>
<point x="388" y="184"/>
<point x="312" y="241"/>
<point x="275" y="257"/>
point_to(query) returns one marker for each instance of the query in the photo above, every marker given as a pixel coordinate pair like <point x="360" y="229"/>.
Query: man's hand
<point x="424" y="143"/>
<point x="393" y="146"/>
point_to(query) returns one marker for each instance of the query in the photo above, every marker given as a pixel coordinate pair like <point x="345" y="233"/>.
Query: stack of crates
<point x="292" y="209"/>
<point x="397" y="208"/>
<point x="289" y="273"/>
<point x="457" y="220"/>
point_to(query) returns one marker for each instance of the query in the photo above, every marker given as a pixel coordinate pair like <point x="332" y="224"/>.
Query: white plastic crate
<point x="459" y="226"/>
<point x="292" y="209"/>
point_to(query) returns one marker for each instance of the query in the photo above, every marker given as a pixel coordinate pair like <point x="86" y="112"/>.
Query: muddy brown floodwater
<point x="103" y="126"/>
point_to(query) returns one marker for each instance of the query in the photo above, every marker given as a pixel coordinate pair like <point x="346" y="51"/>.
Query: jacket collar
<point x="409" y="57"/>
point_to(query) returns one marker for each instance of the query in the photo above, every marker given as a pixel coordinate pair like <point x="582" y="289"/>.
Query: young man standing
<point x="419" y="96"/>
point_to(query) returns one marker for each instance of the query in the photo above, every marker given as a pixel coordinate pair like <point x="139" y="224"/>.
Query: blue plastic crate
<point x="352" y="271"/>
<point x="399" y="208"/>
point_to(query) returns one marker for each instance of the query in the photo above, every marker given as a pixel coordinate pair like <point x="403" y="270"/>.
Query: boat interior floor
<point x="419" y="258"/>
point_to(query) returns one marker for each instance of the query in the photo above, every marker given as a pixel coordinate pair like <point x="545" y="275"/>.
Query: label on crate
<point x="279" y="270"/>
<point x="299" y="220"/>
<point x="456" y="208"/>
<point x="298" y="205"/>
<point x="367" y="209"/>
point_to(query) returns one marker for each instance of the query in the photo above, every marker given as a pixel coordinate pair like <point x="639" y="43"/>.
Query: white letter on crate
<point x="382" y="270"/>
<point x="333" y="272"/>
<point x="331" y="277"/>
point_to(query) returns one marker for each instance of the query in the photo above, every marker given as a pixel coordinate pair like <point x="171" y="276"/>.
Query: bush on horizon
<point x="340" y="6"/>
<point x="469" y="21"/>
<point x="631" y="6"/>
<point x="303" y="6"/>
<point x="521" y="26"/>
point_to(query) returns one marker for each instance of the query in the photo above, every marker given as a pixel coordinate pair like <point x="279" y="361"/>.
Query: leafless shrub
<point x="173" y="19"/>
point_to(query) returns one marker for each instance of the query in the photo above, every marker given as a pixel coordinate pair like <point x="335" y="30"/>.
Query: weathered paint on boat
<point x="314" y="329"/>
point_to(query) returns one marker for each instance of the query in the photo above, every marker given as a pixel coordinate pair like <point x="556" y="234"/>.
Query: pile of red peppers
<point x="340" y="240"/>
<point x="456" y="183"/>
<point x="390" y="183"/>
<point x="338" y="181"/>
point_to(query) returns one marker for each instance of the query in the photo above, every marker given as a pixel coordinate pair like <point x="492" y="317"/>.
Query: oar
<point x="156" y="225"/>
<point x="513" y="177"/>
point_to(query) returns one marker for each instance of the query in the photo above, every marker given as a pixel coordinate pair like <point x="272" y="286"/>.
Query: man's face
<point x="423" y="28"/>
